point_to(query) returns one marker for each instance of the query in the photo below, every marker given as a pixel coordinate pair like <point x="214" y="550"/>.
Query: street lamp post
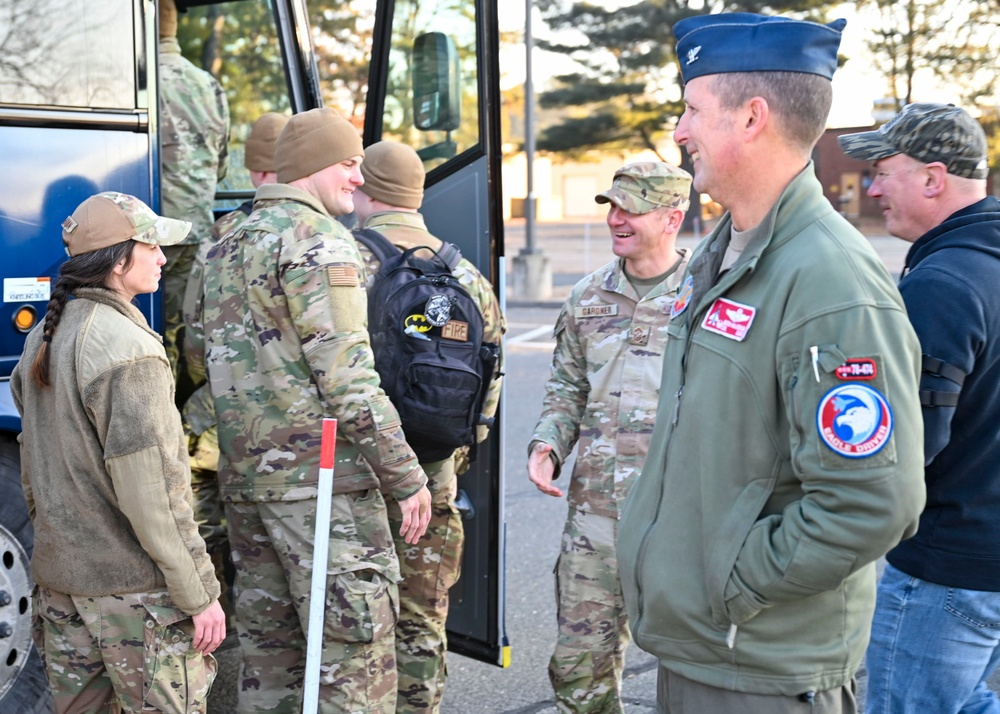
<point x="532" y="274"/>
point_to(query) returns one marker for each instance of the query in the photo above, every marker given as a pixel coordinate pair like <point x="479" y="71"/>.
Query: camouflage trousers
<point x="586" y="667"/>
<point x="203" y="452"/>
<point x="272" y="546"/>
<point x="120" y="653"/>
<point x="208" y="511"/>
<point x="180" y="260"/>
<point x="429" y="567"/>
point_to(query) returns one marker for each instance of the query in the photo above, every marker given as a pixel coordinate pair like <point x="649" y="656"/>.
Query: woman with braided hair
<point x="126" y="609"/>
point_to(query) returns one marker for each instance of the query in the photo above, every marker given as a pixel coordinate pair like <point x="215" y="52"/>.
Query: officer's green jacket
<point x="286" y="344"/>
<point x="747" y="545"/>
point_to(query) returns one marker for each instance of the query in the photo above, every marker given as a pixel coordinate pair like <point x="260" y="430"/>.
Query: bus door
<point x="434" y="85"/>
<point x="422" y="72"/>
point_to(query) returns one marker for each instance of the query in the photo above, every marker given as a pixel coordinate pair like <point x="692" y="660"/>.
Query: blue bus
<point x="79" y="114"/>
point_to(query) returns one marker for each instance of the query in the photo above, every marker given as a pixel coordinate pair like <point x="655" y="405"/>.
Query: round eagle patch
<point x="854" y="420"/>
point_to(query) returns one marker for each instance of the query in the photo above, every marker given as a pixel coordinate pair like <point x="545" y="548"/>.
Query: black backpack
<point x="427" y="336"/>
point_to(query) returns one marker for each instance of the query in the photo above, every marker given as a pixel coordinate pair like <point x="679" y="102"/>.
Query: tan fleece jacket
<point x="104" y="461"/>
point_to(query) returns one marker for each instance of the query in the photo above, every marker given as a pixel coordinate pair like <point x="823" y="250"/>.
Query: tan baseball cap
<point x="110" y="218"/>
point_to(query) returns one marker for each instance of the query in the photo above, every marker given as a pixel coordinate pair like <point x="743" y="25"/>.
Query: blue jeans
<point x="932" y="648"/>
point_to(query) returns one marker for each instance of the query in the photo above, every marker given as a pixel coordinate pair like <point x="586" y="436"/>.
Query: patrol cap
<point x="312" y="141"/>
<point x="259" y="149"/>
<point x="927" y="132"/>
<point x="394" y="174"/>
<point x="647" y="185"/>
<point x="747" y="42"/>
<point x="111" y="218"/>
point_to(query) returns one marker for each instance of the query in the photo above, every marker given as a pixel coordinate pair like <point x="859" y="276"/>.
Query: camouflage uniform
<point x="80" y="637"/>
<point x="194" y="131"/>
<point x="198" y="412"/>
<point x="602" y="394"/>
<point x="431" y="566"/>
<point x="287" y="345"/>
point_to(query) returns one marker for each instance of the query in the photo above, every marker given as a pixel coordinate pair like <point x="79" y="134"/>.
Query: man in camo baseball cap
<point x="109" y="218"/>
<point x="644" y="186"/>
<point x="928" y="132"/>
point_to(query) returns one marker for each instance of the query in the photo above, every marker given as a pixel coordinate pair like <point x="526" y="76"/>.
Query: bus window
<point x="57" y="53"/>
<point x="431" y="98"/>
<point x="432" y="93"/>
<point x="238" y="43"/>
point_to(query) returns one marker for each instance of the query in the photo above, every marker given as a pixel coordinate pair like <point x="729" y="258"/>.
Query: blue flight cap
<point x="747" y="42"/>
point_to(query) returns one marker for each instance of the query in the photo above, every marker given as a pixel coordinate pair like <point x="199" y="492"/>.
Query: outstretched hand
<point x="541" y="470"/>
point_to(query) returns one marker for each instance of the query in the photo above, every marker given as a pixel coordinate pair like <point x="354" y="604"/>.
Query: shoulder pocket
<point x="844" y="401"/>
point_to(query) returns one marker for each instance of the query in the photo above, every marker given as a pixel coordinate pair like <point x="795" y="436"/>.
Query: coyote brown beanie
<point x="394" y="174"/>
<point x="168" y="18"/>
<point x="259" y="150"/>
<point x="312" y="141"/>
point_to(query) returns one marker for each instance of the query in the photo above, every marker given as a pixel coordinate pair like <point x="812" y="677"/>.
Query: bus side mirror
<point x="436" y="83"/>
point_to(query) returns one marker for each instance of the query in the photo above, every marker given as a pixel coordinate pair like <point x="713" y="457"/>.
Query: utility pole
<point x="532" y="273"/>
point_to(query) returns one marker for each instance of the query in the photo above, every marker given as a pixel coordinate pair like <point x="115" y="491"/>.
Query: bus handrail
<point x="69" y="118"/>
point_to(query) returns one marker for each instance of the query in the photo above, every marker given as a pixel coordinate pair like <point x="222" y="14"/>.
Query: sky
<point x="855" y="85"/>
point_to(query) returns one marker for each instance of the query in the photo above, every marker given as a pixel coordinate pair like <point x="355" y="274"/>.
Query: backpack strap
<point x="380" y="246"/>
<point x="383" y="249"/>
<point x="450" y="254"/>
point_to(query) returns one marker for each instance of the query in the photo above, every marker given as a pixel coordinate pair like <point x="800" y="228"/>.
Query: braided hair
<point x="87" y="270"/>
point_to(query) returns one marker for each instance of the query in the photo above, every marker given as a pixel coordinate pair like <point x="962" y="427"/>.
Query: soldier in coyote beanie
<point x="286" y="344"/>
<point x="198" y="412"/>
<point x="387" y="204"/>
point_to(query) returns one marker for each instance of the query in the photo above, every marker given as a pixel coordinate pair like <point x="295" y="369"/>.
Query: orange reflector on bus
<point x="25" y="318"/>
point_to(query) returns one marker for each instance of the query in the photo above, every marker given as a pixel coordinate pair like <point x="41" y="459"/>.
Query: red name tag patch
<point x="730" y="319"/>
<point x="857" y="369"/>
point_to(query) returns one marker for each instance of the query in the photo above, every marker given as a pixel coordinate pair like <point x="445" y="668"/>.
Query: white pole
<point x="321" y="552"/>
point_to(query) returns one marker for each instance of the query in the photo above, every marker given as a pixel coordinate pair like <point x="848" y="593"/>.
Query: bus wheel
<point x="23" y="686"/>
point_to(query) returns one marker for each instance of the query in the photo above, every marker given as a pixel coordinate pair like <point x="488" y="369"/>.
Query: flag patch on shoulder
<point x="343" y="275"/>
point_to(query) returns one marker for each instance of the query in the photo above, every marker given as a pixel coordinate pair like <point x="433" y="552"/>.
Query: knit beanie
<point x="259" y="149"/>
<point x="394" y="174"/>
<point x="312" y="141"/>
<point x="168" y="18"/>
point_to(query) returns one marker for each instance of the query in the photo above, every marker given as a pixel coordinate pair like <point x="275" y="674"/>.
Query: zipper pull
<point x="731" y="637"/>
<point x="814" y="351"/>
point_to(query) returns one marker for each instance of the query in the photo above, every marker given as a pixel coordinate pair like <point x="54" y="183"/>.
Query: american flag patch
<point x="344" y="275"/>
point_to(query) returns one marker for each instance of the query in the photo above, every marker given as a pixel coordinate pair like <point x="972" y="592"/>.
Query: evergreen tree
<point x="626" y="93"/>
